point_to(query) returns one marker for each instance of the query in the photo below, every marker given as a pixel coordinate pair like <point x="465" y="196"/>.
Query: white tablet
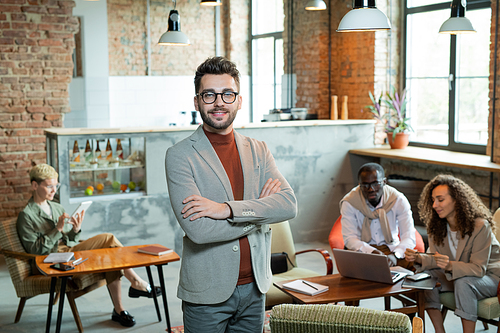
<point x="83" y="206"/>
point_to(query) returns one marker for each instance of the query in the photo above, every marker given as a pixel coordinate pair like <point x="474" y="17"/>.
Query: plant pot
<point x="400" y="141"/>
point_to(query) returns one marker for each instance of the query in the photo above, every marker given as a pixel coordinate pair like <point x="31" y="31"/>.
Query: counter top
<point x="292" y="123"/>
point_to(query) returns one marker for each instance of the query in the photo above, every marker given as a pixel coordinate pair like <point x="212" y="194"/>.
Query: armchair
<point x="291" y="318"/>
<point x="29" y="283"/>
<point x="282" y="241"/>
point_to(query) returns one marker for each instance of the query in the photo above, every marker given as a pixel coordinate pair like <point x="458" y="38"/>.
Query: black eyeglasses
<point x="209" y="97"/>
<point x="375" y="185"/>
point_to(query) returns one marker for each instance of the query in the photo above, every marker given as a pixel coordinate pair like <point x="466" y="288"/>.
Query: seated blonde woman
<point x="463" y="251"/>
<point x="42" y="229"/>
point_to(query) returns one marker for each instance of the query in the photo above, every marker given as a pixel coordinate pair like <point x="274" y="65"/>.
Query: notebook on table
<point x="365" y="266"/>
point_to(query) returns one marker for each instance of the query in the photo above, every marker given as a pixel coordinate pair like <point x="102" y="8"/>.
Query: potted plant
<point x="394" y="119"/>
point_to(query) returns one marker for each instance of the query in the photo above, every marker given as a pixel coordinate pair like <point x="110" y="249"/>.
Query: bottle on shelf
<point x="119" y="149"/>
<point x="97" y="150"/>
<point x="76" y="152"/>
<point x="88" y="152"/>
<point x="109" y="151"/>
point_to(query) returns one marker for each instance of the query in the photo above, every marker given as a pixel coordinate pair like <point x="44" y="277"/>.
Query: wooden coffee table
<point x="106" y="260"/>
<point x="349" y="290"/>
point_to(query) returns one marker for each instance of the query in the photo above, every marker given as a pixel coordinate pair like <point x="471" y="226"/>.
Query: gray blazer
<point x="478" y="254"/>
<point x="210" y="257"/>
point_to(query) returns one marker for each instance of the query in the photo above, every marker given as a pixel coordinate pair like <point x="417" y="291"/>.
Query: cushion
<point x="335" y="318"/>
<point x="487" y="308"/>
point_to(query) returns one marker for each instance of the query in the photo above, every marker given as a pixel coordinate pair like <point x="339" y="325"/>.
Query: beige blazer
<point x="210" y="257"/>
<point x="477" y="255"/>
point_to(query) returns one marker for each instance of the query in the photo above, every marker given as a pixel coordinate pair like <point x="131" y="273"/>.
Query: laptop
<point x="365" y="266"/>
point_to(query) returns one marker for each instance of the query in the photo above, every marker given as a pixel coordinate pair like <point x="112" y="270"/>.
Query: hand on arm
<point x="197" y="206"/>
<point x="270" y="187"/>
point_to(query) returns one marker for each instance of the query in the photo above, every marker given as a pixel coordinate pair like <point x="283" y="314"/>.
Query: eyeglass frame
<point x="378" y="184"/>
<point x="51" y="187"/>
<point x="217" y="94"/>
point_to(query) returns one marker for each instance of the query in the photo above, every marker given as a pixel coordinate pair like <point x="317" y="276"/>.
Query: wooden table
<point x="353" y="290"/>
<point x="106" y="260"/>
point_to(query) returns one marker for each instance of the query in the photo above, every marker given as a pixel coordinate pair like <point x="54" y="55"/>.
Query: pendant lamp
<point x="364" y="17"/>
<point x="174" y="35"/>
<point x="316" y="5"/>
<point x="457" y="23"/>
<point x="211" y="3"/>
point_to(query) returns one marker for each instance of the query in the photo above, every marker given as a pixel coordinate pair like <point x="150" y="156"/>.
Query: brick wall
<point x="352" y="60"/>
<point x="127" y="34"/>
<point x="36" y="43"/>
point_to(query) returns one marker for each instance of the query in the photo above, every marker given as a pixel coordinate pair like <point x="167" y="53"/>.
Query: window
<point x="447" y="77"/>
<point x="267" y="56"/>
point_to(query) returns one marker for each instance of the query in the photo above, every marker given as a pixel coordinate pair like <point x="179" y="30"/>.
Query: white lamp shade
<point x="364" y="19"/>
<point x="457" y="25"/>
<point x="211" y="3"/>
<point x="316" y="5"/>
<point x="174" y="38"/>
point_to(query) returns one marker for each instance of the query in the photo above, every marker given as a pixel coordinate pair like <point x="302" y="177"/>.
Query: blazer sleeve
<point x="275" y="208"/>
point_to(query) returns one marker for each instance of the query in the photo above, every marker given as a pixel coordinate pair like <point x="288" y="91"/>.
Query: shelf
<point x="106" y="168"/>
<point x="131" y="194"/>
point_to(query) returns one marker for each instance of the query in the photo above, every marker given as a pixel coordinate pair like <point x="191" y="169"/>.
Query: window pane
<point x="429" y="97"/>
<point x="418" y="3"/>
<point x="427" y="70"/>
<point x="473" y="80"/>
<point x="280" y="71"/>
<point x="267" y="16"/>
<point x="263" y="77"/>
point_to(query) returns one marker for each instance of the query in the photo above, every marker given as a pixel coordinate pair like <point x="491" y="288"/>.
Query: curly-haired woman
<point x="463" y="252"/>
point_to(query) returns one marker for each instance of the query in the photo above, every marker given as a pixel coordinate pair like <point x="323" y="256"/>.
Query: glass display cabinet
<point x="98" y="166"/>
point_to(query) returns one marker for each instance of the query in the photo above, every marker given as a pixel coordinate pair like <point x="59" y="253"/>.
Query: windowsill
<point x="432" y="156"/>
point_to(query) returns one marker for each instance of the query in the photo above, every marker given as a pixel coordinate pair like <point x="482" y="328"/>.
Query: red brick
<point x="24" y="25"/>
<point x="54" y="116"/>
<point x="19" y="56"/>
<point x="34" y="9"/>
<point x="6" y="41"/>
<point x="55" y="86"/>
<point x="15" y="196"/>
<point x="39" y="109"/>
<point x="16" y="109"/>
<point x="60" y="11"/>
<point x="25" y="41"/>
<point x="39" y="147"/>
<point x="38" y="94"/>
<point x="3" y="17"/>
<point x="39" y="124"/>
<point x="18" y="147"/>
<point x="67" y="4"/>
<point x="37" y="116"/>
<point x="13" y="2"/>
<point x="8" y="140"/>
<point x="16" y="181"/>
<point x="4" y="25"/>
<point x="33" y="139"/>
<point x="50" y="42"/>
<point x="13" y="125"/>
<point x="11" y="157"/>
<point x="41" y="156"/>
<point x="12" y="94"/>
<point x="37" y="132"/>
<point x="9" y="9"/>
<point x="60" y="94"/>
<point x="49" y="3"/>
<point x="23" y="132"/>
<point x="17" y="17"/>
<point x="20" y="71"/>
<point x="50" y="27"/>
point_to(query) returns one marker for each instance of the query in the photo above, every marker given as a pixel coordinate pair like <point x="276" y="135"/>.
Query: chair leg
<point x="20" y="309"/>
<point x="444" y="310"/>
<point x="485" y="325"/>
<point x="74" y="309"/>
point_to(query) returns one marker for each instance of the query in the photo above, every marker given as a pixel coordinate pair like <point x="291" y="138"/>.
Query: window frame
<point x="452" y="145"/>
<point x="275" y="35"/>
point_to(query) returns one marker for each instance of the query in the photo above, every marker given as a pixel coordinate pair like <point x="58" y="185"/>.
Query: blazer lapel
<point x="461" y="246"/>
<point x="203" y="146"/>
<point x="247" y="164"/>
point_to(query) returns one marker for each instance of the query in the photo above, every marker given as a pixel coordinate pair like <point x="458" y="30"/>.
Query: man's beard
<point x="208" y="121"/>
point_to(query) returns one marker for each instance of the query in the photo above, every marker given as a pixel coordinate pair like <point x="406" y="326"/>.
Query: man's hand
<point x="76" y="221"/>
<point x="442" y="261"/>
<point x="198" y="206"/>
<point x="270" y="187"/>
<point x="412" y="255"/>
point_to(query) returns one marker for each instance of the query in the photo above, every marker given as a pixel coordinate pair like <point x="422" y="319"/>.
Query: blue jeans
<point x="242" y="312"/>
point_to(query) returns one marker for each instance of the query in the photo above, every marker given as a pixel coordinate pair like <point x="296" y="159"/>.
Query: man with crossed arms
<point x="376" y="218"/>
<point x="225" y="189"/>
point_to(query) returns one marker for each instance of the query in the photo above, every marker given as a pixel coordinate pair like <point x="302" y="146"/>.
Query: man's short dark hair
<point x="369" y="167"/>
<point x="217" y="66"/>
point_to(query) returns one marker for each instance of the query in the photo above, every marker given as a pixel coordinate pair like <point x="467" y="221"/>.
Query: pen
<point x="310" y="285"/>
<point x="78" y="263"/>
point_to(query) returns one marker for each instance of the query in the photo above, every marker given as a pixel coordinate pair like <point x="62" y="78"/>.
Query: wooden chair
<point x="319" y="318"/>
<point x="282" y="241"/>
<point x="29" y="283"/>
<point x="488" y="309"/>
<point x="337" y="241"/>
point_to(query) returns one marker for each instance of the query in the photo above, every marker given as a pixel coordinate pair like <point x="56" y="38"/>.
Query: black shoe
<point x="135" y="293"/>
<point x="124" y="318"/>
